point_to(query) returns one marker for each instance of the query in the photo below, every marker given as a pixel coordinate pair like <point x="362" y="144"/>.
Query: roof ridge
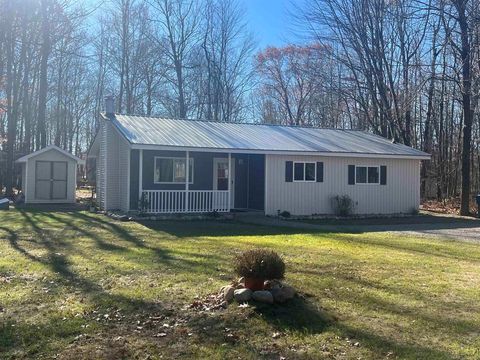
<point x="240" y="123"/>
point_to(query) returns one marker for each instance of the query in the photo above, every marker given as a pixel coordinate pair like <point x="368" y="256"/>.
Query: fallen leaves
<point x="212" y="302"/>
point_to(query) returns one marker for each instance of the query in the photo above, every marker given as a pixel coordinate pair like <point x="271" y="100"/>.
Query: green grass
<point x="79" y="285"/>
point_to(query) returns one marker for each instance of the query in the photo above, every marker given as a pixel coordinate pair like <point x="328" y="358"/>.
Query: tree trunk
<point x="42" y="96"/>
<point x="460" y="6"/>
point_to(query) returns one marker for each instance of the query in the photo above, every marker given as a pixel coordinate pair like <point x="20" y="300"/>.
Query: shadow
<point x="56" y="259"/>
<point x="400" y="223"/>
<point x="163" y="255"/>
<point x="221" y="228"/>
<point x="298" y="314"/>
<point x="440" y="249"/>
<point x="82" y="230"/>
<point x="390" y="348"/>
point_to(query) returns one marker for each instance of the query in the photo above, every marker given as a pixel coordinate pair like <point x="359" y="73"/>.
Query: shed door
<point x="51" y="180"/>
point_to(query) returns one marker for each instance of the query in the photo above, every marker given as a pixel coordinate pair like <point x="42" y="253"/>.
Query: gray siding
<point x="400" y="195"/>
<point x="101" y="166"/>
<point x="30" y="176"/>
<point x="112" y="169"/>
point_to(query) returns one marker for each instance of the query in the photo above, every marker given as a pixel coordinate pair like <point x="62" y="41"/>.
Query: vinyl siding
<point x="51" y="155"/>
<point x="247" y="168"/>
<point x="112" y="169"/>
<point x="400" y="195"/>
<point x="101" y="166"/>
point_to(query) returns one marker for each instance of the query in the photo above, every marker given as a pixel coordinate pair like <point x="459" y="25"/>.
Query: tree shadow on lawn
<point x="99" y="298"/>
<point x="451" y="250"/>
<point x="164" y="256"/>
<point x="387" y="347"/>
<point x="221" y="228"/>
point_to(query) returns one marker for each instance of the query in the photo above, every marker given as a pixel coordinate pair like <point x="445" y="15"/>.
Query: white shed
<point x="49" y="175"/>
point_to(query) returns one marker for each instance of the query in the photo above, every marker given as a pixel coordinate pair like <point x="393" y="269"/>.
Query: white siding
<point x="112" y="169"/>
<point x="400" y="195"/>
<point x="50" y="155"/>
<point x="101" y="166"/>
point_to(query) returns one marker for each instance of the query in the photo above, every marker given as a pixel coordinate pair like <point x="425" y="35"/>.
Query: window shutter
<point x="383" y="175"/>
<point x="351" y="174"/>
<point x="288" y="171"/>
<point x="319" y="171"/>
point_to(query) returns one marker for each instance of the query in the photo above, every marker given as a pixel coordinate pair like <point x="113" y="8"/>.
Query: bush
<point x="260" y="264"/>
<point x="285" y="214"/>
<point x="342" y="205"/>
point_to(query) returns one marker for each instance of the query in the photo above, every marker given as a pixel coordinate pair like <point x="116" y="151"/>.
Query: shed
<point x="49" y="175"/>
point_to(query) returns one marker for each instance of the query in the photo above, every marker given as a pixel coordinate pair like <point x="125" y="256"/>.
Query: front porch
<point x="218" y="182"/>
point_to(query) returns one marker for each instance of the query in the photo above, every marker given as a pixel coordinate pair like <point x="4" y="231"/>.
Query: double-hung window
<point x="304" y="171"/>
<point x="172" y="170"/>
<point x="367" y="175"/>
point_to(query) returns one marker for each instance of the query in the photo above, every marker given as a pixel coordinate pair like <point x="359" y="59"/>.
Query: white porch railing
<point x="174" y="201"/>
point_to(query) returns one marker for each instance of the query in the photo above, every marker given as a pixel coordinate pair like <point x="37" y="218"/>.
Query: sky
<point x="270" y="22"/>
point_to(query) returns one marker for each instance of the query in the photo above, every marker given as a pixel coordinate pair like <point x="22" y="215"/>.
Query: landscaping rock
<point x="278" y="295"/>
<point x="288" y="291"/>
<point x="228" y="293"/>
<point x="242" y="295"/>
<point x="272" y="284"/>
<point x="263" y="296"/>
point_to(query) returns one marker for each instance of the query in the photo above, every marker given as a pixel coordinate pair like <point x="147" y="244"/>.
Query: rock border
<point x="274" y="291"/>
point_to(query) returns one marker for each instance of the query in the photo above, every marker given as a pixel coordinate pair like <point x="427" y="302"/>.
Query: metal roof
<point x="139" y="130"/>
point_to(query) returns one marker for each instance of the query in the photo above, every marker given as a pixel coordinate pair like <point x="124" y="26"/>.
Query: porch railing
<point x="173" y="201"/>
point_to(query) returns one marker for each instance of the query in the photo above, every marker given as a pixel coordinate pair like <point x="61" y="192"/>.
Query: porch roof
<point x="151" y="132"/>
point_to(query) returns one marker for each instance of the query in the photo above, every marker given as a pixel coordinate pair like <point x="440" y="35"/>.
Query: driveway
<point x="427" y="224"/>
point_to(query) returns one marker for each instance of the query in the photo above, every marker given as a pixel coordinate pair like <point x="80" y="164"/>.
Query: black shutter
<point x="351" y="174"/>
<point x="289" y="171"/>
<point x="319" y="171"/>
<point x="383" y="175"/>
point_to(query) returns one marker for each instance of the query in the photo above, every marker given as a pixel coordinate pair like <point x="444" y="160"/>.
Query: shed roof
<point x="261" y="138"/>
<point x="48" y="148"/>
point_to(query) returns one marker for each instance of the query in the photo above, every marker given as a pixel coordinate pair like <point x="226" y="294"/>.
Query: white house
<point x="49" y="175"/>
<point x="141" y="165"/>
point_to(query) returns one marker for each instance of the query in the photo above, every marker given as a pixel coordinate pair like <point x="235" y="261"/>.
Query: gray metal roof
<point x="141" y="130"/>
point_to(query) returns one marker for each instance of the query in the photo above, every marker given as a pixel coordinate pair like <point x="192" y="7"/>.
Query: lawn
<point x="82" y="286"/>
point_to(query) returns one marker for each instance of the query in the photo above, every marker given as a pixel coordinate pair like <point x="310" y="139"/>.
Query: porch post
<point x="187" y="177"/>
<point x="229" y="180"/>
<point x="140" y="176"/>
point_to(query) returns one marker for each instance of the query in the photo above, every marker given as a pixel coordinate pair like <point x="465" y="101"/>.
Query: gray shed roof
<point x="150" y="132"/>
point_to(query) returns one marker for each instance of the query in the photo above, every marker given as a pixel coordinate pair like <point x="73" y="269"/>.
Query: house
<point x="141" y="164"/>
<point x="49" y="176"/>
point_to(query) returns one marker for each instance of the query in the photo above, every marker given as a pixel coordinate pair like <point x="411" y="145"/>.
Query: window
<point x="303" y="171"/>
<point x="367" y="175"/>
<point x="171" y="170"/>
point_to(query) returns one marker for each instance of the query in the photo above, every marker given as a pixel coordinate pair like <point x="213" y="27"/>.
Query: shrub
<point x="342" y="205"/>
<point x="285" y="214"/>
<point x="261" y="264"/>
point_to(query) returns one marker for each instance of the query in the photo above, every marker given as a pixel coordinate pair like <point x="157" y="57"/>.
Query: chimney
<point x="109" y="105"/>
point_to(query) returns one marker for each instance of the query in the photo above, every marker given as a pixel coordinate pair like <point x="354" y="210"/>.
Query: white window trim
<point x="304" y="171"/>
<point x="171" y="158"/>
<point x="367" y="166"/>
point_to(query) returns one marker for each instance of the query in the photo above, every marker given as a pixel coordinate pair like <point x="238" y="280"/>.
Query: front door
<point x="221" y="177"/>
<point x="51" y="180"/>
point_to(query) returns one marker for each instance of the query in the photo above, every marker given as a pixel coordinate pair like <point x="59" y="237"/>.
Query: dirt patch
<point x="447" y="206"/>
